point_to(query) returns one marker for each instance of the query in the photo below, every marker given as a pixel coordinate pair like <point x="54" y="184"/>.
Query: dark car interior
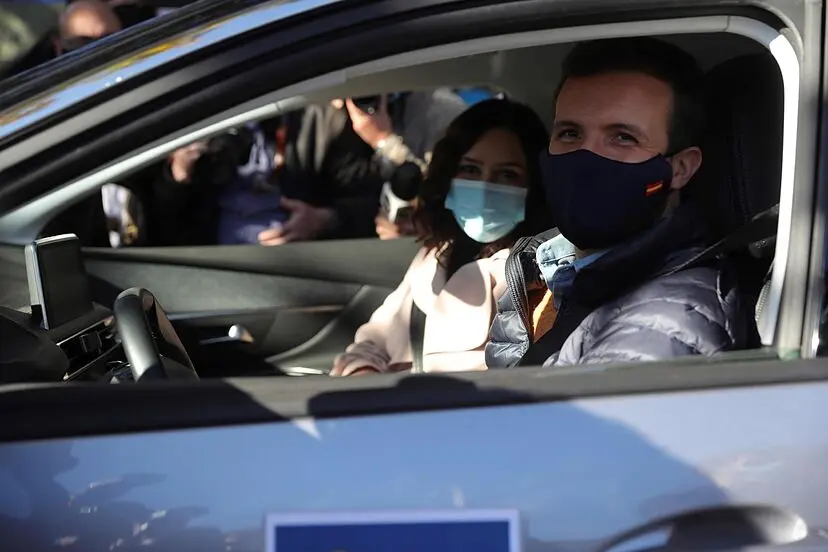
<point x="248" y="310"/>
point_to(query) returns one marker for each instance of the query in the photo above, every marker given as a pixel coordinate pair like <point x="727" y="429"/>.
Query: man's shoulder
<point x="693" y="307"/>
<point x="689" y="286"/>
<point x="686" y="299"/>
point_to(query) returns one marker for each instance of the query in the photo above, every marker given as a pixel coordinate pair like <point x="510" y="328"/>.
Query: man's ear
<point x="685" y="164"/>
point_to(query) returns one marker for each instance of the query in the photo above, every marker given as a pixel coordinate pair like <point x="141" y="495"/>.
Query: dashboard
<point x="61" y="335"/>
<point x="83" y="349"/>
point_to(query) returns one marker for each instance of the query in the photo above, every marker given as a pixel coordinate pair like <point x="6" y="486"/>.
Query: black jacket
<point x="639" y="309"/>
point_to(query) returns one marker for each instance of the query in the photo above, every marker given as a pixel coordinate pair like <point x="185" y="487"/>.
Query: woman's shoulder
<point x="424" y="255"/>
<point x="424" y="265"/>
<point x="500" y="255"/>
<point x="495" y="261"/>
<point x="428" y="259"/>
<point x="493" y="264"/>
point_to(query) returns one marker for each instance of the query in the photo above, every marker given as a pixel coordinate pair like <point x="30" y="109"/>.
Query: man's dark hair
<point x="656" y="58"/>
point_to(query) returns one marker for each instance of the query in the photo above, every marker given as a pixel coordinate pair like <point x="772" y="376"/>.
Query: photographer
<point x="400" y="128"/>
<point x="302" y="176"/>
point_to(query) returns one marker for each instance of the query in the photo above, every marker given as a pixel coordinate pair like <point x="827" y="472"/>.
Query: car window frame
<point x="779" y="47"/>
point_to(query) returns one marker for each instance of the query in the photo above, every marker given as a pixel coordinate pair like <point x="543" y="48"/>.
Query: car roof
<point x="191" y="18"/>
<point x="127" y="53"/>
<point x="63" y="85"/>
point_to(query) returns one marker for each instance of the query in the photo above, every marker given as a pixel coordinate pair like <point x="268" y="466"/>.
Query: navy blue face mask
<point x="598" y="202"/>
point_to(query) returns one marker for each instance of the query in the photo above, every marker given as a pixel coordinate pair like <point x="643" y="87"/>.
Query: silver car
<point x="725" y="452"/>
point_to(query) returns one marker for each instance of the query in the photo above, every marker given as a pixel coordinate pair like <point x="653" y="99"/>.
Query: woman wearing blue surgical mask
<point x="482" y="192"/>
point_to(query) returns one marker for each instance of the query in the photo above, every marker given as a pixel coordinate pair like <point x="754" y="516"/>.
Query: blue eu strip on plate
<point x="420" y="531"/>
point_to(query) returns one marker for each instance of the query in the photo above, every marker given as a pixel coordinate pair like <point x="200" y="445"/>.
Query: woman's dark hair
<point x="436" y="225"/>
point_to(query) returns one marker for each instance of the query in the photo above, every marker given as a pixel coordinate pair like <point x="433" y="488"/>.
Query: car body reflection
<point x="76" y="91"/>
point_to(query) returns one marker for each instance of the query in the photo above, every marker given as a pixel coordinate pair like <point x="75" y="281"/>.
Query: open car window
<point x="124" y="215"/>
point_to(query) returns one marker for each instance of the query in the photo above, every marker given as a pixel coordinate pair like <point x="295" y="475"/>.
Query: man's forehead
<point x="614" y="98"/>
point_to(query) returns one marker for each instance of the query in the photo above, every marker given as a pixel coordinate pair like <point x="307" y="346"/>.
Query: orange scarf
<point x="543" y="314"/>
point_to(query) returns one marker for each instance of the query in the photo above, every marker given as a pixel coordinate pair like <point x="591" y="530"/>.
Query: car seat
<point x="741" y="169"/>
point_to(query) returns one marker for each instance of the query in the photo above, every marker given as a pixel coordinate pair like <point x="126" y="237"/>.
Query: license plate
<point x="414" y="531"/>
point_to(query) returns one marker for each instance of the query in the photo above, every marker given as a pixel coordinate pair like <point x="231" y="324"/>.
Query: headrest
<point x="742" y="144"/>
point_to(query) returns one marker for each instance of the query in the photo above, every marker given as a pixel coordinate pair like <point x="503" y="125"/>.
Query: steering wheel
<point x="152" y="347"/>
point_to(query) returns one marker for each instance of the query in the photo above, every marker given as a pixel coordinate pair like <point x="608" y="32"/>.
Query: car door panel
<point x="300" y="304"/>
<point x="297" y="305"/>
<point x="582" y="472"/>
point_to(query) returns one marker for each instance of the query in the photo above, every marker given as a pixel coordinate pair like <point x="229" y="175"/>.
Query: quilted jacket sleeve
<point x="689" y="313"/>
<point x="508" y="338"/>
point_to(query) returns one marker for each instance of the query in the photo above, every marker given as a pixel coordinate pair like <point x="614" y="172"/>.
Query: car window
<point x="313" y="173"/>
<point x="528" y="204"/>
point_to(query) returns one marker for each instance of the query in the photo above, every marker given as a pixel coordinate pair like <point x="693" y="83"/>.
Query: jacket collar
<point x="669" y="243"/>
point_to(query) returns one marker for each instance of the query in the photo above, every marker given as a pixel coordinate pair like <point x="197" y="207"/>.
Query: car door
<point x="687" y="454"/>
<point x="246" y="309"/>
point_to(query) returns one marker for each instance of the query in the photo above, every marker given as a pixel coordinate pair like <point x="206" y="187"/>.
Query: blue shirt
<point x="559" y="267"/>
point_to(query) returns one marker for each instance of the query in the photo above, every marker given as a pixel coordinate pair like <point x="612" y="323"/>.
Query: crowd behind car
<point x="602" y="273"/>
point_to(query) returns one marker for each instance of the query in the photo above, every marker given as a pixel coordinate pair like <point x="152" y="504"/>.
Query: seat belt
<point x="417" y="331"/>
<point x="569" y="317"/>
<point x="465" y="251"/>
<point x="761" y="227"/>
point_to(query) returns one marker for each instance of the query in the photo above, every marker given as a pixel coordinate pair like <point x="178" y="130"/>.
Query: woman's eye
<point x="510" y="176"/>
<point x="468" y="170"/>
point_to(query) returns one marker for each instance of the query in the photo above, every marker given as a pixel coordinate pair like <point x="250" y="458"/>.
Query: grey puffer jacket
<point x="640" y="309"/>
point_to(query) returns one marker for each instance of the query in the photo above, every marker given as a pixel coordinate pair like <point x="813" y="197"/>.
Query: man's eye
<point x="625" y="138"/>
<point x="567" y="134"/>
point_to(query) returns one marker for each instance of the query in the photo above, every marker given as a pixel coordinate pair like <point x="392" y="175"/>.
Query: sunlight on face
<point x="622" y="116"/>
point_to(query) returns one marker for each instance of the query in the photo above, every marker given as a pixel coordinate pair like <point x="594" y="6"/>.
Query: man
<point x="82" y="22"/>
<point x="85" y="21"/>
<point x="611" y="287"/>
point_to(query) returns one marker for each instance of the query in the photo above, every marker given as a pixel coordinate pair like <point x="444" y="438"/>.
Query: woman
<point x="482" y="192"/>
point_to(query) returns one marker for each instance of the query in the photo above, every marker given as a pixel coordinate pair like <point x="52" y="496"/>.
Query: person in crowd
<point x="403" y="127"/>
<point x="85" y="21"/>
<point x="101" y="220"/>
<point x="482" y="191"/>
<point x="312" y="174"/>
<point x="302" y="176"/>
<point x="623" y="146"/>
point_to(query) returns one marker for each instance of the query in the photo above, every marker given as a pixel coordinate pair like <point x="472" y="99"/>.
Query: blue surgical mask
<point x="485" y="211"/>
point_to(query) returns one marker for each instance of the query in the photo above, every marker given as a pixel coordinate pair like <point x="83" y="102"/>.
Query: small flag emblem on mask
<point x="654" y="188"/>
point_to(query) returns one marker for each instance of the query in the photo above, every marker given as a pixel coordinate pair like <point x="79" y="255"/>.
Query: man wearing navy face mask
<point x="608" y="284"/>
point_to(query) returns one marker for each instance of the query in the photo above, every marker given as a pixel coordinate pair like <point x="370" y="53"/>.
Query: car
<point x="722" y="452"/>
